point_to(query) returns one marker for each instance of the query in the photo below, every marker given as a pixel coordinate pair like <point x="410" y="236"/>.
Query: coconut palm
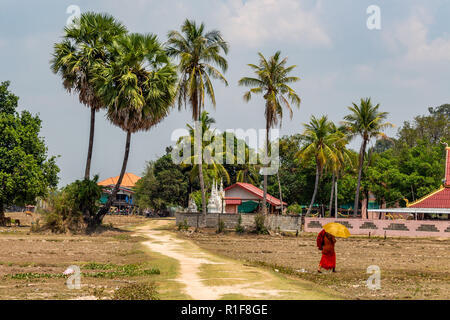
<point x="83" y="45"/>
<point x="138" y="86"/>
<point x="320" y="145"/>
<point x="344" y="158"/>
<point x="272" y="81"/>
<point x="199" y="53"/>
<point x="366" y="122"/>
<point x="212" y="166"/>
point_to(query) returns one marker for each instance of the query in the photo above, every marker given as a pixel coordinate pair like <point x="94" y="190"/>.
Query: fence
<point x="402" y="228"/>
<point x="273" y="222"/>
<point x="397" y="228"/>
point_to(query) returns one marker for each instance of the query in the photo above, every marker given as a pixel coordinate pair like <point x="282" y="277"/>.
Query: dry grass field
<point x="31" y="264"/>
<point x="410" y="268"/>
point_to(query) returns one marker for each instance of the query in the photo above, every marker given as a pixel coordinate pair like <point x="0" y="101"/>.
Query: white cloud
<point x="256" y="21"/>
<point x="411" y="38"/>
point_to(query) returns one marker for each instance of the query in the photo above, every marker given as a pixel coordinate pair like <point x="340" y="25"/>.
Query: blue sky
<point x="405" y="66"/>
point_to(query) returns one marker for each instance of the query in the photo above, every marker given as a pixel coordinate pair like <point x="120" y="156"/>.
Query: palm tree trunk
<point x="91" y="144"/>
<point x="316" y="185"/>
<point x="358" y="186"/>
<point x="200" y="167"/>
<point x="331" y="196"/>
<point x="2" y="211"/>
<point x="336" y="197"/>
<point x="266" y="155"/>
<point x="105" y="209"/>
<point x="279" y="188"/>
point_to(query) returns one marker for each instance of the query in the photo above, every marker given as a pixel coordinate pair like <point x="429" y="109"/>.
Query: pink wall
<point x="407" y="228"/>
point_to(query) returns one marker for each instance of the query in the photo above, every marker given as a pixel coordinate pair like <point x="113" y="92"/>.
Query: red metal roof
<point x="441" y="197"/>
<point x="438" y="199"/>
<point x="233" y="200"/>
<point x="257" y="192"/>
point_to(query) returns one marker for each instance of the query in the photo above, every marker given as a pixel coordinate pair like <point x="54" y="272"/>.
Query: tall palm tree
<point x="367" y="122"/>
<point x="212" y="166"/>
<point x="272" y="80"/>
<point x="320" y="145"/>
<point x="84" y="44"/>
<point x="138" y="86"/>
<point x="198" y="52"/>
<point x="344" y="157"/>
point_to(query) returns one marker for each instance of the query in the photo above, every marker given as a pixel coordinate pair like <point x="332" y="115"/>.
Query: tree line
<point x="137" y="80"/>
<point x="318" y="172"/>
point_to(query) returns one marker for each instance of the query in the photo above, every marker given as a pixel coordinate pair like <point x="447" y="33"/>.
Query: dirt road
<point x="209" y="277"/>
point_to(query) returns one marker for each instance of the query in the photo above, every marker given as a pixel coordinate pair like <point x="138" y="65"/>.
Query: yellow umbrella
<point x="337" y="230"/>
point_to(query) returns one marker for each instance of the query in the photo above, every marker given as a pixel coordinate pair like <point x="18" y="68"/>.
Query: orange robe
<point x="328" y="260"/>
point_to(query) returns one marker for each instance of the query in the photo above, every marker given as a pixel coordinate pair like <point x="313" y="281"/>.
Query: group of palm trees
<point x="326" y="144"/>
<point x="134" y="78"/>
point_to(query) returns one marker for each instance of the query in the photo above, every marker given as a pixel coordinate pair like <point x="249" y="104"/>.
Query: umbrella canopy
<point x="337" y="230"/>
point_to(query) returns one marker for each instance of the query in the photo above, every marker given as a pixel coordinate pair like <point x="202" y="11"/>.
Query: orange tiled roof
<point x="128" y="181"/>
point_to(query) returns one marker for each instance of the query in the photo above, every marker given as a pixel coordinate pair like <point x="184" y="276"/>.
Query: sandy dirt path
<point x="209" y="277"/>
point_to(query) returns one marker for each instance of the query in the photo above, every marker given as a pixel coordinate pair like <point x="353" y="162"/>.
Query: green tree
<point x="366" y="122"/>
<point x="162" y="185"/>
<point x="213" y="152"/>
<point x="432" y="128"/>
<point x="321" y="146"/>
<point x="25" y="170"/>
<point x="138" y="87"/>
<point x="84" y="44"/>
<point x="344" y="158"/>
<point x="272" y="80"/>
<point x="198" y="53"/>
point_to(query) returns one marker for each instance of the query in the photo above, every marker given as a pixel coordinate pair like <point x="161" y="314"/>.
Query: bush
<point x="72" y="208"/>
<point x="260" y="224"/>
<point x="183" y="226"/>
<point x="294" y="209"/>
<point x="239" y="227"/>
<point x="137" y="291"/>
<point x="221" y="226"/>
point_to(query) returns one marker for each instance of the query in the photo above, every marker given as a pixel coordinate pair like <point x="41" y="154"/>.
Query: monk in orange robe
<point x="325" y="242"/>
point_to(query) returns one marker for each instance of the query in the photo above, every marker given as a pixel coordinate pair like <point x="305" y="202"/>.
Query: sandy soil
<point x="410" y="268"/>
<point x="48" y="255"/>
<point x="207" y="277"/>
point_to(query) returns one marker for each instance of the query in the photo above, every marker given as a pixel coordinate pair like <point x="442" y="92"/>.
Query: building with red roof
<point x="124" y="198"/>
<point x="245" y="197"/>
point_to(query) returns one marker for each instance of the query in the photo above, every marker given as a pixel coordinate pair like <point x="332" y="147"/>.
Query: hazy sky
<point x="405" y="66"/>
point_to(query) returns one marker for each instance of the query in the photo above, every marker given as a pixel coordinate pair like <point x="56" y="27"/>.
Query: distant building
<point x="124" y="198"/>
<point x="246" y="198"/>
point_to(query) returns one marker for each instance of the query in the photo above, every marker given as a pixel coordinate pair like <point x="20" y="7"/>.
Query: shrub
<point x="221" y="226"/>
<point x="72" y="208"/>
<point x="137" y="291"/>
<point x="239" y="227"/>
<point x="294" y="209"/>
<point x="54" y="222"/>
<point x="260" y="224"/>
<point x="183" y="226"/>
